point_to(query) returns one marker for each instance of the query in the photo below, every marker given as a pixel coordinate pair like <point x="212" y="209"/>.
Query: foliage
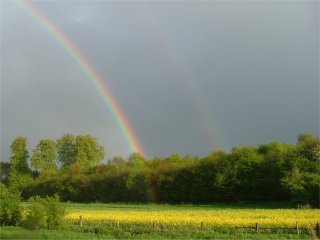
<point x="19" y="155"/>
<point x="44" y="156"/>
<point x="19" y="175"/>
<point x="19" y="181"/>
<point x="66" y="150"/>
<point x="88" y="152"/>
<point x="35" y="215"/>
<point x="302" y="173"/>
<point x="270" y="172"/>
<point x="45" y="212"/>
<point x="9" y="207"/>
<point x="83" y="150"/>
<point x="4" y="171"/>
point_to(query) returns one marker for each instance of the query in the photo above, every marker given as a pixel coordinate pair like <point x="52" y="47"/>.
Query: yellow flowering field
<point x="209" y="217"/>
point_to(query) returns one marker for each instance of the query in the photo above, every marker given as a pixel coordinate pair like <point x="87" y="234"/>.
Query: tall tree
<point x="19" y="169"/>
<point x="66" y="149"/>
<point x="278" y="158"/>
<point x="88" y="152"/>
<point x="44" y="156"/>
<point x="19" y="155"/>
<point x="309" y="146"/>
<point x="247" y="165"/>
<point x="137" y="182"/>
<point x="302" y="177"/>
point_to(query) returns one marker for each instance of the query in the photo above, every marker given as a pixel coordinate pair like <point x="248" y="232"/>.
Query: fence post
<point x="318" y="230"/>
<point x="257" y="227"/>
<point x="153" y="225"/>
<point x="201" y="226"/>
<point x="298" y="231"/>
<point x="80" y="221"/>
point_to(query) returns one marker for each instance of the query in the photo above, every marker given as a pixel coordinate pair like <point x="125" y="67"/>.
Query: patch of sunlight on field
<point x="226" y="217"/>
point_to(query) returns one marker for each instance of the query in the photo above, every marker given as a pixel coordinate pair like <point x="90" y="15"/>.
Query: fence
<point x="256" y="228"/>
<point x="315" y="232"/>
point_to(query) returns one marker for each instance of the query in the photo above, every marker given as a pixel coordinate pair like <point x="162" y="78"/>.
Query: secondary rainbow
<point x="90" y="73"/>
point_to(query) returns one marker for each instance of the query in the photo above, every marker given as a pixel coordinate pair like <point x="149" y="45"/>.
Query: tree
<point x="277" y="160"/>
<point x="247" y="166"/>
<point x="309" y="146"/>
<point x="136" y="160"/>
<point x="302" y="173"/>
<point x="117" y="160"/>
<point x="44" y="156"/>
<point x="19" y="170"/>
<point x="19" y="155"/>
<point x="4" y="171"/>
<point x="66" y="150"/>
<point x="10" y="207"/>
<point x="83" y="150"/>
<point x="45" y="212"/>
<point x="88" y="152"/>
<point x="175" y="157"/>
<point x="136" y="164"/>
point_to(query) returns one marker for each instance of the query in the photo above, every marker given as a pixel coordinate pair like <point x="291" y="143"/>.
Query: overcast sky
<point x="191" y="77"/>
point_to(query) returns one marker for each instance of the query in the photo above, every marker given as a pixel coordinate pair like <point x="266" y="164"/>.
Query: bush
<point x="45" y="212"/>
<point x="10" y="209"/>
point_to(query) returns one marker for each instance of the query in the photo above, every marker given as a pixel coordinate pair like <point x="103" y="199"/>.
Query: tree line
<point x="71" y="167"/>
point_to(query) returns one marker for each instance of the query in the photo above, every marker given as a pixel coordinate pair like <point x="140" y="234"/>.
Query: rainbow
<point x="91" y="74"/>
<point x="209" y="121"/>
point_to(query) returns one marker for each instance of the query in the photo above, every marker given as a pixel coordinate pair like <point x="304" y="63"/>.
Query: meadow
<point x="127" y="221"/>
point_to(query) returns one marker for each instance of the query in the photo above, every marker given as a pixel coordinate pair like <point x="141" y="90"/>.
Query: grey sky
<point x="191" y="77"/>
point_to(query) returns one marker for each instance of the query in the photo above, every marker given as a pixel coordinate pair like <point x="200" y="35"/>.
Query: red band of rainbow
<point x="90" y="73"/>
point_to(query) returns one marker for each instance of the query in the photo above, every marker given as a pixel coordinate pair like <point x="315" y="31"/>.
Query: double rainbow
<point x="99" y="84"/>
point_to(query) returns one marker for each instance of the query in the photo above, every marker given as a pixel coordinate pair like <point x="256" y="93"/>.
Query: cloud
<point x="187" y="75"/>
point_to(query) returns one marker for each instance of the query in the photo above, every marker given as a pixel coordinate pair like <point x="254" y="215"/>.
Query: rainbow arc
<point x="90" y="73"/>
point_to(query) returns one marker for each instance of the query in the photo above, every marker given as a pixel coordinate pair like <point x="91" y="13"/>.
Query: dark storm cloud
<point x="252" y="67"/>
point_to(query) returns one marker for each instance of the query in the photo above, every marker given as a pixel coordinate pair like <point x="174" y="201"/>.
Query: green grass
<point x="20" y="233"/>
<point x="164" y="207"/>
<point x="121" y="233"/>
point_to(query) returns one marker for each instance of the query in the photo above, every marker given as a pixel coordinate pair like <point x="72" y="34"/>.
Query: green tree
<point x="277" y="159"/>
<point x="302" y="174"/>
<point x="309" y="146"/>
<point x="117" y="160"/>
<point x="10" y="207"/>
<point x="136" y="160"/>
<point x="19" y="170"/>
<point x="175" y="157"/>
<point x="44" y="156"/>
<point x="88" y="152"/>
<point x="45" y="212"/>
<point x="4" y="172"/>
<point x="136" y="164"/>
<point x="66" y="149"/>
<point x="247" y="166"/>
<point x="83" y="150"/>
<point x="19" y="155"/>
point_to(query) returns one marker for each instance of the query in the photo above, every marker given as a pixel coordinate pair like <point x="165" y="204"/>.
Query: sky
<point x="191" y="77"/>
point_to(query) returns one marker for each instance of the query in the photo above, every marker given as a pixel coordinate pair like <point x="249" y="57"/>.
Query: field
<point x="191" y="216"/>
<point x="179" y="221"/>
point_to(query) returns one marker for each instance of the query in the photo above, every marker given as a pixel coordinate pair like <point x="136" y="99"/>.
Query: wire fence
<point x="313" y="231"/>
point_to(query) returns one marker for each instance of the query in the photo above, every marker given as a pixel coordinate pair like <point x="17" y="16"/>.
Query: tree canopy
<point x="273" y="171"/>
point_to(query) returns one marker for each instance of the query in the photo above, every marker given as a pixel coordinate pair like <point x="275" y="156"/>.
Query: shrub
<point x="35" y="215"/>
<point x="10" y="209"/>
<point x="45" y="212"/>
